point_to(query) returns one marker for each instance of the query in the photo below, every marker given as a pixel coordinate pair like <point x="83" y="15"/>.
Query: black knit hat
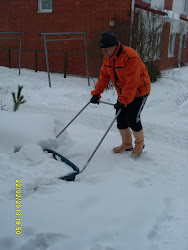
<point x="108" y="39"/>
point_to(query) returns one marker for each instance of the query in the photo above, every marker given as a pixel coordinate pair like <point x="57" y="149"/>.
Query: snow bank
<point x="26" y="135"/>
<point x="21" y="128"/>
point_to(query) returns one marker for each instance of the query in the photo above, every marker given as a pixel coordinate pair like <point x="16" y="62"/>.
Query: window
<point x="185" y="7"/>
<point x="146" y="1"/>
<point x="185" y="41"/>
<point x="44" y="6"/>
<point x="171" y="46"/>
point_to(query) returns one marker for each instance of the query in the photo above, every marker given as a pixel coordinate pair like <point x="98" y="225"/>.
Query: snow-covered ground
<point x="118" y="202"/>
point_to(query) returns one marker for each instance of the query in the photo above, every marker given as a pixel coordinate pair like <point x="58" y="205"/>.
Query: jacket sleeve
<point x="132" y="80"/>
<point x="102" y="82"/>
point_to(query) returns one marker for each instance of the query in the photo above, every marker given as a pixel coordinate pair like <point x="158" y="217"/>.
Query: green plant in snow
<point x="18" y="99"/>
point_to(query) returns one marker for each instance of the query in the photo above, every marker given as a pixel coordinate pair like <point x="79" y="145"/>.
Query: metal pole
<point x="106" y="103"/>
<point x="20" y="49"/>
<point x="20" y="54"/>
<point x="65" y="65"/>
<point x="101" y="141"/>
<point x="65" y="33"/>
<point x="67" y="39"/>
<point x="78" y="115"/>
<point x="47" y="62"/>
<point x="86" y="54"/>
<point x="9" y="57"/>
<point x="35" y="60"/>
<point x="72" y="119"/>
<point x="10" y="33"/>
<point x="62" y="33"/>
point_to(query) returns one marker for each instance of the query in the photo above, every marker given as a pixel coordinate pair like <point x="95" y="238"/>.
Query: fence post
<point x="20" y="49"/>
<point x="86" y="55"/>
<point x="20" y="52"/>
<point x="9" y="58"/>
<point x="47" y="61"/>
<point x="35" y="60"/>
<point x="65" y="64"/>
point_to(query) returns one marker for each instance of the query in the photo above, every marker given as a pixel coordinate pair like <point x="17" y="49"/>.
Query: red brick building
<point x="48" y="16"/>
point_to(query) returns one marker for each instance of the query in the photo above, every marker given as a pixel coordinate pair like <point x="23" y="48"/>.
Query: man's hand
<point x="95" y="99"/>
<point x="119" y="105"/>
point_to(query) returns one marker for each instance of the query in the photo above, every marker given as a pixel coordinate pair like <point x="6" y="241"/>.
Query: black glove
<point x="119" y="105"/>
<point x="95" y="99"/>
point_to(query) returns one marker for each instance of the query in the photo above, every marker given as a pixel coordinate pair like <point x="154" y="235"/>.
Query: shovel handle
<point x="106" y="103"/>
<point x="101" y="141"/>
<point x="72" y="120"/>
<point x="78" y="115"/>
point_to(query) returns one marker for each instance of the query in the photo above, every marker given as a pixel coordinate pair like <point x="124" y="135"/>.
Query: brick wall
<point x="67" y="16"/>
<point x="170" y="62"/>
<point x="168" y="4"/>
<point x="185" y="53"/>
<point x="165" y="61"/>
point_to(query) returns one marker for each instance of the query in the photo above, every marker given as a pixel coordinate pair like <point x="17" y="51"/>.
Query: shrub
<point x="153" y="70"/>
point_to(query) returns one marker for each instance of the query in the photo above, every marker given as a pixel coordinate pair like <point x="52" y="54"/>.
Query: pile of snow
<point x="32" y="154"/>
<point x="20" y="128"/>
<point x="171" y="14"/>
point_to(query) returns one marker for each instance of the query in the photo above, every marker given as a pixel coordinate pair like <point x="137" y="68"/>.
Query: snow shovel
<point x="71" y="176"/>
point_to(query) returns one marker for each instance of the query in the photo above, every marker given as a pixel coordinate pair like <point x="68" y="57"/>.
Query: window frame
<point x="185" y="7"/>
<point x="170" y="53"/>
<point x="41" y="10"/>
<point x="185" y="41"/>
<point x="147" y="1"/>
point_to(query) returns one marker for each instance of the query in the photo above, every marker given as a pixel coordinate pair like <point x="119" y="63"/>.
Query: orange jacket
<point x="128" y="74"/>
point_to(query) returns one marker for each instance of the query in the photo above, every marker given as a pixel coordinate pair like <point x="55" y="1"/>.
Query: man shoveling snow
<point x="129" y="75"/>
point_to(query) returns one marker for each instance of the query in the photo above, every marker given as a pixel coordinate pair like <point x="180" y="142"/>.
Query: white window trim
<point x="185" y="42"/>
<point x="40" y="10"/>
<point x="185" y="12"/>
<point x="146" y="1"/>
<point x="174" y="44"/>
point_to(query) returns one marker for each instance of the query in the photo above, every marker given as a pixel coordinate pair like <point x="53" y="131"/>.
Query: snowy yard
<point x="118" y="202"/>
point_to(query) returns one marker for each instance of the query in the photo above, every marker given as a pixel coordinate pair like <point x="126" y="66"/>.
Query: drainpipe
<point x="132" y="20"/>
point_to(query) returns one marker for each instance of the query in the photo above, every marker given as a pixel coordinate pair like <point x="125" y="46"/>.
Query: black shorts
<point x="130" y="115"/>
